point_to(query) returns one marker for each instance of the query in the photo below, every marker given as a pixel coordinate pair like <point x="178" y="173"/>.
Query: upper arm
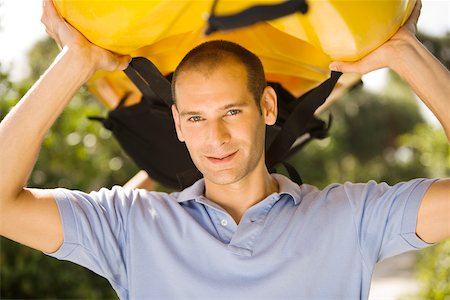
<point x="33" y="219"/>
<point x="433" y="220"/>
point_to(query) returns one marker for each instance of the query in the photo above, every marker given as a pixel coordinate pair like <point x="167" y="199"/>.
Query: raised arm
<point x="30" y="216"/>
<point x="430" y="80"/>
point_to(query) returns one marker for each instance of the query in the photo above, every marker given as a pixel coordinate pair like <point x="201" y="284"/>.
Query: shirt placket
<point x="251" y="226"/>
<point x="223" y="222"/>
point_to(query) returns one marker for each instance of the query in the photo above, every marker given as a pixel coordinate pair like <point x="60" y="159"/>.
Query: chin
<point x="222" y="177"/>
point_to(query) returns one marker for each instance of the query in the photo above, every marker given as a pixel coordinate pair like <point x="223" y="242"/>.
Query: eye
<point x="233" y="112"/>
<point x="195" y="119"/>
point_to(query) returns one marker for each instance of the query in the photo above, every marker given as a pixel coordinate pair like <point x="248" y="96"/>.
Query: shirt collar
<point x="285" y="186"/>
<point x="194" y="192"/>
<point x="288" y="187"/>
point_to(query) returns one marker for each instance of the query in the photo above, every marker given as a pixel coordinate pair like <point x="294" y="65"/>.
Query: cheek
<point x="250" y="133"/>
<point x="254" y="128"/>
<point x="192" y="137"/>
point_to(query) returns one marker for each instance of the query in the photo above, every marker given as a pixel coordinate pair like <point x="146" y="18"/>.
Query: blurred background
<point x="380" y="131"/>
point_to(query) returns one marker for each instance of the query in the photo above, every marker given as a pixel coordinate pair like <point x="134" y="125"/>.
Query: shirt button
<point x="224" y="222"/>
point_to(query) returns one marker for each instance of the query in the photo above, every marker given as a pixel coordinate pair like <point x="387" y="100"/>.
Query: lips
<point x="221" y="159"/>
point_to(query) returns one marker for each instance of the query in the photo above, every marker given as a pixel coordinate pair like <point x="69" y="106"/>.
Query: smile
<point x="221" y="159"/>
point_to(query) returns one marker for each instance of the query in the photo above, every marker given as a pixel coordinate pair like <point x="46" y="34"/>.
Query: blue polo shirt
<point x="300" y="243"/>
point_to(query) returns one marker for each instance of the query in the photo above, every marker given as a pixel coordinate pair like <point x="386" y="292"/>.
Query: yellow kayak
<point x="295" y="49"/>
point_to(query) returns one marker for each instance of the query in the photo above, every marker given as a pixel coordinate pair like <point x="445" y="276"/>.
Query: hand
<point x="67" y="36"/>
<point x="382" y="56"/>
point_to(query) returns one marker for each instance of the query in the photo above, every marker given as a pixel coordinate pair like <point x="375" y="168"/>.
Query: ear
<point x="269" y="106"/>
<point x="176" y="119"/>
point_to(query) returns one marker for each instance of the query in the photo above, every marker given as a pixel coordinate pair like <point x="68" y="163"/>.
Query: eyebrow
<point x="225" y="107"/>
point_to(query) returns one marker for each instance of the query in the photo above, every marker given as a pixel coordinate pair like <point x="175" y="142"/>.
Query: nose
<point x="218" y="133"/>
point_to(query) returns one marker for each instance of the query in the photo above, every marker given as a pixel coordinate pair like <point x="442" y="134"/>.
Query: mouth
<point x="222" y="159"/>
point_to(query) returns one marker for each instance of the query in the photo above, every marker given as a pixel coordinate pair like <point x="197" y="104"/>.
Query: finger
<point x="416" y="11"/>
<point x="49" y="15"/>
<point x="415" y="14"/>
<point x="49" y="11"/>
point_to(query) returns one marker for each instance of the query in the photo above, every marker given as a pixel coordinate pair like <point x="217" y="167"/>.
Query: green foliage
<point x="40" y="56"/>
<point x="434" y="271"/>
<point x="85" y="156"/>
<point x="29" y="274"/>
<point x="363" y="143"/>
<point x="430" y="148"/>
<point x="439" y="46"/>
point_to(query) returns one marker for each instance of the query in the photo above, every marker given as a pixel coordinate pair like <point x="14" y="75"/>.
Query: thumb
<point x="115" y="62"/>
<point x="124" y="61"/>
<point x="345" y="67"/>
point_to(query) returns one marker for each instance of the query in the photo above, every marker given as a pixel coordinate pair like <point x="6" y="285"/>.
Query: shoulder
<point x="360" y="192"/>
<point x="114" y="198"/>
<point x="373" y="189"/>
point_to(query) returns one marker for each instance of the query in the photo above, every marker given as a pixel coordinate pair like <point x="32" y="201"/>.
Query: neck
<point x="237" y="197"/>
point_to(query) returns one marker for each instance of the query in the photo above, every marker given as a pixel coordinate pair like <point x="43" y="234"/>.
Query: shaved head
<point x="207" y="57"/>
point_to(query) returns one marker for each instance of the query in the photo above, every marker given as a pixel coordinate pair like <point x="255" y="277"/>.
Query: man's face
<point x="218" y="119"/>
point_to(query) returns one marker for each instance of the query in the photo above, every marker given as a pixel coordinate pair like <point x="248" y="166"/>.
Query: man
<point x="240" y="233"/>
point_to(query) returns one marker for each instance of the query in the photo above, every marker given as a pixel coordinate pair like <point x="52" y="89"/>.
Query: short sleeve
<point x="386" y="216"/>
<point x="95" y="230"/>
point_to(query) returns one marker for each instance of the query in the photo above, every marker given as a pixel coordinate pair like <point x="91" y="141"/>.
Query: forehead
<point x="207" y="86"/>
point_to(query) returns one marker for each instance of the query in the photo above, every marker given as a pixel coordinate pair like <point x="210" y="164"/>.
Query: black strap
<point x="292" y="172"/>
<point x="253" y="15"/>
<point x="319" y="130"/>
<point x="296" y="124"/>
<point x="146" y="76"/>
<point x="156" y="88"/>
<point x="107" y="123"/>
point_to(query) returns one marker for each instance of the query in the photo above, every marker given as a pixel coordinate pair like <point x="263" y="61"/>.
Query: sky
<point x="20" y="27"/>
